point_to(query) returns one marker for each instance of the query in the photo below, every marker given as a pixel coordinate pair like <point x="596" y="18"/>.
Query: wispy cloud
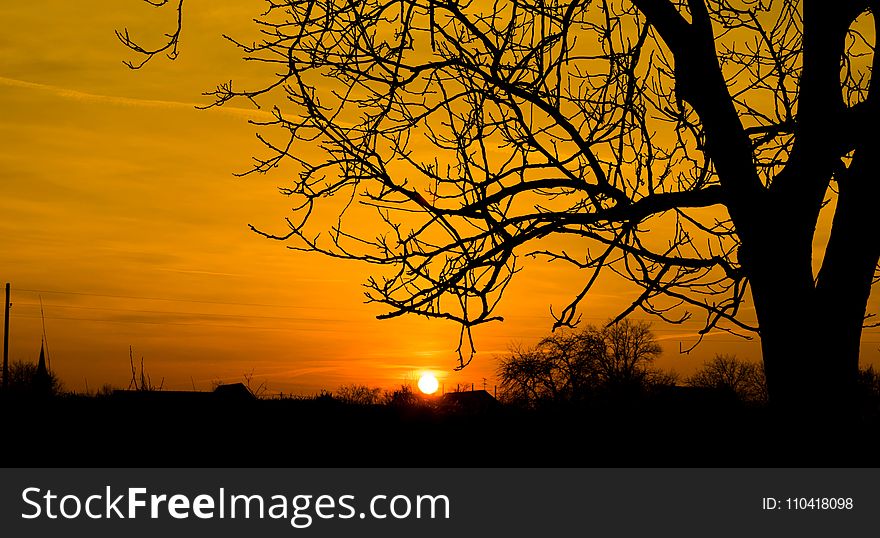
<point x="76" y="95"/>
<point x="198" y="272"/>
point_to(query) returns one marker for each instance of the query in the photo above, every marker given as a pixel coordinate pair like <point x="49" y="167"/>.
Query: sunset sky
<point x="119" y="209"/>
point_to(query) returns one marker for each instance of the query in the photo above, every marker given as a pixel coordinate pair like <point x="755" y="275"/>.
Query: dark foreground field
<point x="146" y="432"/>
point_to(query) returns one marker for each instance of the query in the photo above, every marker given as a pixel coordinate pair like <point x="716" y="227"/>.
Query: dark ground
<point x="201" y="432"/>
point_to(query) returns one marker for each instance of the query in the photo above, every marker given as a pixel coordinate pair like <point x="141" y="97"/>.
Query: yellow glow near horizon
<point x="428" y="383"/>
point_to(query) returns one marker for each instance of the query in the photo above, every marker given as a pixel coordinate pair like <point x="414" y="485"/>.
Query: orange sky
<point x="118" y="207"/>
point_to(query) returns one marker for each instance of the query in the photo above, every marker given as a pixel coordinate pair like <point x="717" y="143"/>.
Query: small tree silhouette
<point x="745" y="380"/>
<point x="403" y="397"/>
<point x="141" y="381"/>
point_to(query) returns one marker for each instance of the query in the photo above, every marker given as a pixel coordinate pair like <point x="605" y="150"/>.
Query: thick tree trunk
<point x="781" y="280"/>
<point x="811" y="362"/>
<point x="811" y="327"/>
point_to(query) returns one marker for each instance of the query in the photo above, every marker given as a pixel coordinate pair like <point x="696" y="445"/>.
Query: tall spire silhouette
<point x="42" y="380"/>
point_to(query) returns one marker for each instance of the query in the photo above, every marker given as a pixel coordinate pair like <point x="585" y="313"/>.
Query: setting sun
<point x="428" y="383"/>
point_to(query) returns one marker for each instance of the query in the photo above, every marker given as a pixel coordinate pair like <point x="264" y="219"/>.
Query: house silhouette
<point x="469" y="402"/>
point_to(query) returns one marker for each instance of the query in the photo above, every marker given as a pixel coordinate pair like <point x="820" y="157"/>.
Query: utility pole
<point x="6" y="341"/>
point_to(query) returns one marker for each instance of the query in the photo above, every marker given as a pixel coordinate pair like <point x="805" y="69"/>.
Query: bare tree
<point x="141" y="381"/>
<point x="743" y="379"/>
<point x="573" y="365"/>
<point x="551" y="372"/>
<point x="687" y="146"/>
<point x="629" y="348"/>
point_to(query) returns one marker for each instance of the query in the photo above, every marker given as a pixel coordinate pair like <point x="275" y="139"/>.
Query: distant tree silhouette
<point x="689" y="146"/>
<point x="359" y="394"/>
<point x="141" y="381"/>
<point x="745" y="380"/>
<point x="535" y="376"/>
<point x="630" y="347"/>
<point x="403" y="397"/>
<point x="572" y="366"/>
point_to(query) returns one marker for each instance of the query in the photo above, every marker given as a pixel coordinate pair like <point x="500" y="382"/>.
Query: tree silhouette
<point x="572" y="366"/>
<point x="404" y="397"/>
<point x="687" y="146"/>
<point x="629" y="348"/>
<point x="745" y="380"/>
<point x="556" y="370"/>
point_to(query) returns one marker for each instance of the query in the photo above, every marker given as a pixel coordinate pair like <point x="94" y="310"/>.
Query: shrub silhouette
<point x="359" y="394"/>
